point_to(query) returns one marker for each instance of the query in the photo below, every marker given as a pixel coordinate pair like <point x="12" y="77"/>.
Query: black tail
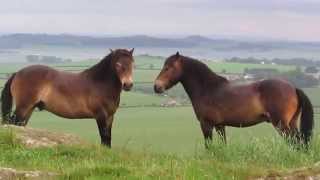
<point x="6" y="101"/>
<point x="306" y="122"/>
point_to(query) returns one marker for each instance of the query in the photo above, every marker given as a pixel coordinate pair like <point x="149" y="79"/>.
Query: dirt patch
<point x="34" y="138"/>
<point x="311" y="173"/>
<point x="9" y="173"/>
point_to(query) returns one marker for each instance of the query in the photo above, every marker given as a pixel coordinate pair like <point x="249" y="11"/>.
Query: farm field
<point x="168" y="140"/>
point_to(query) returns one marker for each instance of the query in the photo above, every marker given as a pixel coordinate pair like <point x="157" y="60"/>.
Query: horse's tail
<point x="6" y="100"/>
<point x="306" y="122"/>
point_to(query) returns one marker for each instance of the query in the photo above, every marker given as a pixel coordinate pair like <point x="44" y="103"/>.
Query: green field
<point x="145" y="62"/>
<point x="239" y="67"/>
<point x="164" y="137"/>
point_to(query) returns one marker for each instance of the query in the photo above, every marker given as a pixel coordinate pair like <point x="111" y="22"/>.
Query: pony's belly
<point x="71" y="115"/>
<point x="244" y="121"/>
<point x="68" y="109"/>
<point x="67" y="104"/>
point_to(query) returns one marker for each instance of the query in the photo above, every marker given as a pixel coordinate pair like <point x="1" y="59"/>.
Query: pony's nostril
<point x="158" y="89"/>
<point x="127" y="86"/>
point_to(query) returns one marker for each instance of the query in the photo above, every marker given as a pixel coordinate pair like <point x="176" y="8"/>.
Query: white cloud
<point x="290" y="19"/>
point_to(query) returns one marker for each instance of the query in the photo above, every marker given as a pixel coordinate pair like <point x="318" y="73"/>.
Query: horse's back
<point x="35" y="74"/>
<point x="30" y="79"/>
<point x="39" y="75"/>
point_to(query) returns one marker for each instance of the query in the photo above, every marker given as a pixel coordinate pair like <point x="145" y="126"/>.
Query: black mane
<point x="204" y="75"/>
<point x="103" y="70"/>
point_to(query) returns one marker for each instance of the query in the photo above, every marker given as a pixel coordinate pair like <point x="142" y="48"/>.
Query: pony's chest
<point x="109" y="100"/>
<point x="111" y="106"/>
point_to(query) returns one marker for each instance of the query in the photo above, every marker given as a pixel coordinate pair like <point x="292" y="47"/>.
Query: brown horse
<point x="218" y="103"/>
<point x="93" y="93"/>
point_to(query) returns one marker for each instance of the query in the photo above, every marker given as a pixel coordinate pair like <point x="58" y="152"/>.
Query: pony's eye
<point x="119" y="65"/>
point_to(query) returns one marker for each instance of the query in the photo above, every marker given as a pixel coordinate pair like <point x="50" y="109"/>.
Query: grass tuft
<point x="258" y="157"/>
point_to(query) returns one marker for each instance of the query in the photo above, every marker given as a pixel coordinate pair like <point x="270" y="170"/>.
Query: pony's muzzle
<point x="158" y="87"/>
<point x="127" y="86"/>
<point x="127" y="83"/>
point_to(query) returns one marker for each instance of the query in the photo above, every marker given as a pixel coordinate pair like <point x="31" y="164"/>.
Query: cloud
<point x="289" y="19"/>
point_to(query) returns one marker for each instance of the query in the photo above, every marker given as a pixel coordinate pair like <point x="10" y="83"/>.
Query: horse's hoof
<point x="21" y="123"/>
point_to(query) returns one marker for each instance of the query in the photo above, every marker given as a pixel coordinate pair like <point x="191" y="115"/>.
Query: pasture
<point x="166" y="141"/>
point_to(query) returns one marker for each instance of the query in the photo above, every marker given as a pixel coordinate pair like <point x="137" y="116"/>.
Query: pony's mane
<point x="99" y="70"/>
<point x="104" y="69"/>
<point x="202" y="72"/>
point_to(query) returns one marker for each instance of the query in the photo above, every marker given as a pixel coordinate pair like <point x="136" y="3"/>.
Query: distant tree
<point x="151" y="66"/>
<point x="311" y="69"/>
<point x="224" y="71"/>
<point x="68" y="60"/>
<point x="246" y="70"/>
<point x="300" y="79"/>
<point x="51" y="59"/>
<point x="32" y="58"/>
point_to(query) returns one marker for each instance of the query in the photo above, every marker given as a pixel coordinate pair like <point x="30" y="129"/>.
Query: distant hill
<point x="22" y="40"/>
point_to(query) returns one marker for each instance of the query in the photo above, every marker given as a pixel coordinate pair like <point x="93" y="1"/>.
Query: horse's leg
<point x="109" y="128"/>
<point x="294" y="130"/>
<point x="207" y="132"/>
<point x="283" y="129"/>
<point x="221" y="130"/>
<point x="287" y="126"/>
<point x="22" y="114"/>
<point x="105" y="124"/>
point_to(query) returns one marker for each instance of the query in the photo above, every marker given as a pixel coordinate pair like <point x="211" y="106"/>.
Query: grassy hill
<point x="259" y="158"/>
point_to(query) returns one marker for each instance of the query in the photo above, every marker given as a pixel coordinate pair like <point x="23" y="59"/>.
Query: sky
<point x="274" y="19"/>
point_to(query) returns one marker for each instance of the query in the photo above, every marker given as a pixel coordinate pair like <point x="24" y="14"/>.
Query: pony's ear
<point x="111" y="51"/>
<point x="131" y="51"/>
<point x="177" y="54"/>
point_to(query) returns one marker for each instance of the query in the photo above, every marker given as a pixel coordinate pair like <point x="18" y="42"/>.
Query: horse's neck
<point x="196" y="84"/>
<point x="103" y="73"/>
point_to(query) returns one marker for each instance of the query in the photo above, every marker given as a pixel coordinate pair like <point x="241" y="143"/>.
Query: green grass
<point x="240" y="67"/>
<point x="145" y="75"/>
<point x="314" y="94"/>
<point x="234" y="161"/>
<point x="137" y="99"/>
<point x="2" y="82"/>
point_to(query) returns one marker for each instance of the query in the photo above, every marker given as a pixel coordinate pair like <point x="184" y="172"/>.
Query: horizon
<point x="212" y="37"/>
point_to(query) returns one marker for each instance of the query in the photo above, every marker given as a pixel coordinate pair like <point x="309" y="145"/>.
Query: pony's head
<point x="170" y="74"/>
<point x="122" y="61"/>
